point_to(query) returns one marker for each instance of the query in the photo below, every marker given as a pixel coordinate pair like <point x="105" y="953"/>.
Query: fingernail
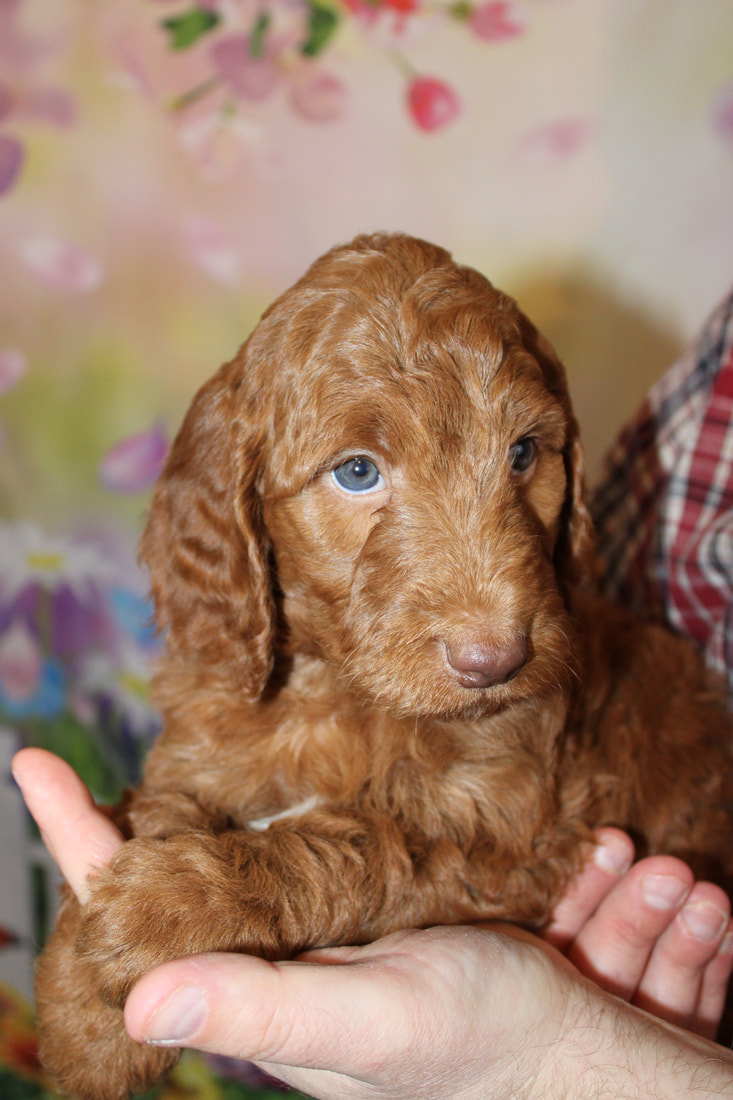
<point x="178" y="1018"/>
<point x="613" y="855"/>
<point x="726" y="947"/>
<point x="703" y="920"/>
<point x="663" y="891"/>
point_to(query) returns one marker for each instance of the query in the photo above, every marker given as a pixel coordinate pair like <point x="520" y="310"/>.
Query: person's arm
<point x="463" y="1012"/>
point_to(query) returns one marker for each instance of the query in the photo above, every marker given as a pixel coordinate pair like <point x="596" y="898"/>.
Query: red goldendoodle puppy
<point x="391" y="697"/>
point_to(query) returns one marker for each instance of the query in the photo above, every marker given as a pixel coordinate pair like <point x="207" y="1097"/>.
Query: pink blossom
<point x="362" y="9"/>
<point x="368" y="10"/>
<point x="52" y="106"/>
<point x="317" y="95"/>
<point x="723" y="113"/>
<point x="247" y="76"/>
<point x="11" y="161"/>
<point x="213" y="251"/>
<point x="7" y="101"/>
<point x="19" y="49"/>
<point x="20" y="663"/>
<point x="497" y="22"/>
<point x="432" y="103"/>
<point x="134" y="463"/>
<point x="556" y="141"/>
<point x="12" y="368"/>
<point x="62" y="264"/>
<point x="217" y="143"/>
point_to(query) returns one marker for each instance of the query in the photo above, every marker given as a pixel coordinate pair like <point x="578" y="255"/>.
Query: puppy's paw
<point x="83" y="1044"/>
<point x="158" y="900"/>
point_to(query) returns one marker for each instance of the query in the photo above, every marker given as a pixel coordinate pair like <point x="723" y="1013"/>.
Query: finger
<point x="79" y="837"/>
<point x="714" y="989"/>
<point x="611" y="858"/>
<point x="672" y="981"/>
<point x="295" y="1014"/>
<point x="614" y="946"/>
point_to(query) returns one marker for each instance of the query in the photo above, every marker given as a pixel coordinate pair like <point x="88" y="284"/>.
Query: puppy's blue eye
<point x="358" y="475"/>
<point x="522" y="455"/>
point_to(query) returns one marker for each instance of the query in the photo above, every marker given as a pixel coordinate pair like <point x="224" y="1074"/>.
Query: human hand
<point x="419" y="1014"/>
<point x="648" y="933"/>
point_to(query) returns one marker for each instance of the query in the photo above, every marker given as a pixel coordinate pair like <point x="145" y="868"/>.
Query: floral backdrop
<point x="168" y="166"/>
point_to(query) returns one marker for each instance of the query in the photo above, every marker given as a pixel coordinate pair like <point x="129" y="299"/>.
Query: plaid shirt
<point x="664" y="509"/>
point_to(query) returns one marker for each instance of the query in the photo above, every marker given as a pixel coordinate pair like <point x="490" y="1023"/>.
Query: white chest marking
<point x="263" y="823"/>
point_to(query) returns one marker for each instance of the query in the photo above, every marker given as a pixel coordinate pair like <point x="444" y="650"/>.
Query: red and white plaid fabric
<point x="664" y="509"/>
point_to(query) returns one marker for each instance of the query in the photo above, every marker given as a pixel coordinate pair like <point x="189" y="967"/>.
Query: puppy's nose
<point x="480" y="663"/>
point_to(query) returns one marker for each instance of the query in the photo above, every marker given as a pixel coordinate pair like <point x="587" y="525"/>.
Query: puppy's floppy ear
<point x="205" y="545"/>
<point x="575" y="549"/>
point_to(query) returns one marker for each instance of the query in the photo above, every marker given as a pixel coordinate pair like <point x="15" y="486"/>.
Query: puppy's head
<point x="388" y="476"/>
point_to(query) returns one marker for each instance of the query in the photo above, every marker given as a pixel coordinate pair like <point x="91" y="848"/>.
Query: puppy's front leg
<point x="328" y="877"/>
<point x="315" y="881"/>
<point x="83" y="1043"/>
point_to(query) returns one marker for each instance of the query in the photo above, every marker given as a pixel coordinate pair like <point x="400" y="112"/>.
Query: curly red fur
<point x="389" y="708"/>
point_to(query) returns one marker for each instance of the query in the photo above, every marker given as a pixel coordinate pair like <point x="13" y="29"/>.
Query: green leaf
<point x="461" y="10"/>
<point x="322" y="22"/>
<point x="92" y="755"/>
<point x="186" y="29"/>
<point x="257" y="38"/>
<point x="19" y="1088"/>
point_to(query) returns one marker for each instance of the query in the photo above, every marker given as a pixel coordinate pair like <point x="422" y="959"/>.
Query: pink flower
<point x="12" y="368"/>
<point x="134" y="463"/>
<point x="218" y="143"/>
<point x="432" y="103"/>
<point x="52" y="106"/>
<point x="247" y="76"/>
<point x="556" y="141"/>
<point x="368" y="9"/>
<point x="62" y="264"/>
<point x="723" y="113"/>
<point x="362" y="9"/>
<point x="11" y="161"/>
<point x="213" y="251"/>
<point x="497" y="22"/>
<point x="20" y="663"/>
<point x="317" y="95"/>
<point x="6" y="102"/>
<point x="129" y="69"/>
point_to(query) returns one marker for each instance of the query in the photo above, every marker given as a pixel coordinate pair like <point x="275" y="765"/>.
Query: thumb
<point x="303" y="1014"/>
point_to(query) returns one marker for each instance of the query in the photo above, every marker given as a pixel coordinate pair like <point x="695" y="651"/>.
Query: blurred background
<point x="168" y="166"/>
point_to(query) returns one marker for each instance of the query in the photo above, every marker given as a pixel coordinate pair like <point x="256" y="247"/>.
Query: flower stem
<point x="403" y="64"/>
<point x="193" y="95"/>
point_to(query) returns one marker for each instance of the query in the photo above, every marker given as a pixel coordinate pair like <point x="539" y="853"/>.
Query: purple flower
<point x="30" y="559"/>
<point x="48" y="700"/>
<point x="20" y="664"/>
<point x="135" y="462"/>
<point x="12" y="155"/>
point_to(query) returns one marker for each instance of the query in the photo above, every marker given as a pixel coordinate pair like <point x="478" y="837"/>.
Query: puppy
<point x="391" y="696"/>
